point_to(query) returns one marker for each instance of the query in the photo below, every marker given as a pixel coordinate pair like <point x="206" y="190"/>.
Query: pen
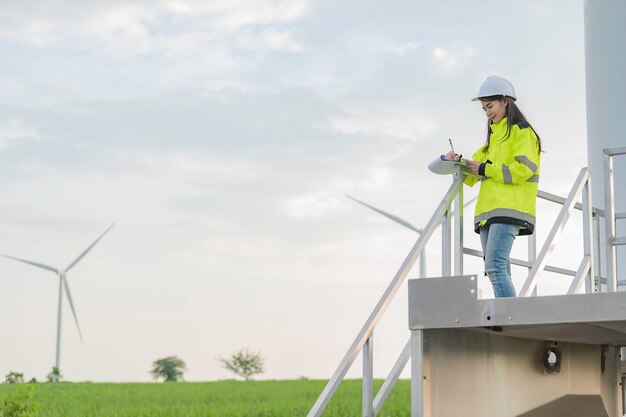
<point x="451" y="146"/>
<point x="450" y="140"/>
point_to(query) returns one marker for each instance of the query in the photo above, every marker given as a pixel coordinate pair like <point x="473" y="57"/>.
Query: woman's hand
<point x="472" y="166"/>
<point x="452" y="156"/>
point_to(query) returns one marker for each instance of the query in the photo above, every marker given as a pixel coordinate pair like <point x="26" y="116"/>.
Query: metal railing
<point x="452" y="255"/>
<point x="586" y="269"/>
<point x="364" y="340"/>
<point x="611" y="217"/>
<point x="596" y="214"/>
<point x="537" y="263"/>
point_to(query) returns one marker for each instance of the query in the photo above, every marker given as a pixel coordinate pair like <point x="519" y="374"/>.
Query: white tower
<point x="605" y="66"/>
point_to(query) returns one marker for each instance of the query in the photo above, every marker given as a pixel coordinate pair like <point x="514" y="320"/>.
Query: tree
<point x="244" y="363"/>
<point x="170" y="369"/>
<point x="14" y="378"/>
<point x="54" y="375"/>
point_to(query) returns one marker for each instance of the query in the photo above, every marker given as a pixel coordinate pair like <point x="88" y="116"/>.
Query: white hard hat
<point x="496" y="86"/>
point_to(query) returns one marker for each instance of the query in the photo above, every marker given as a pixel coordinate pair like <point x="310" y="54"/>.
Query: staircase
<point x="586" y="279"/>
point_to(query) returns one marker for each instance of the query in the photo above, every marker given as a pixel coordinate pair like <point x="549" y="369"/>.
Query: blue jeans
<point x="497" y="241"/>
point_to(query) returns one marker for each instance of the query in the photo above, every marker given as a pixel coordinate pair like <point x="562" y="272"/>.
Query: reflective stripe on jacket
<point x="509" y="178"/>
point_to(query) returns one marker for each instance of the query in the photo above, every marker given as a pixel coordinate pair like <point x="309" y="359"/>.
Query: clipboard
<point x="444" y="166"/>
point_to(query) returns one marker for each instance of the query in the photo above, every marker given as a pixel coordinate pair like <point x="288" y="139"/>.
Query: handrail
<point x="611" y="217"/>
<point x="530" y="262"/>
<point x="520" y="262"/>
<point x="597" y="213"/>
<point x="558" y="199"/>
<point x="582" y="185"/>
<point x="383" y="303"/>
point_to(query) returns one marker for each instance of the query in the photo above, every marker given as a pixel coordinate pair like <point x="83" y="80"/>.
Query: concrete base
<point x="474" y="374"/>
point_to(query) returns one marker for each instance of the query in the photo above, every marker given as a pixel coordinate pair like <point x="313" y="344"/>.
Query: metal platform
<point x="490" y="354"/>
<point x="451" y="303"/>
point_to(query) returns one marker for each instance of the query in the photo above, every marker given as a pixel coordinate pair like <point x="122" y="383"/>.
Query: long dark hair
<point x="513" y="116"/>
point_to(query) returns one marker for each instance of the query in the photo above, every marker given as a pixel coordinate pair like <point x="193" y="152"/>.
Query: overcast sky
<point x="223" y="138"/>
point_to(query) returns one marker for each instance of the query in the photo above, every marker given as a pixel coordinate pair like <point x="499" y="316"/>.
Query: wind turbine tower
<point x="63" y="286"/>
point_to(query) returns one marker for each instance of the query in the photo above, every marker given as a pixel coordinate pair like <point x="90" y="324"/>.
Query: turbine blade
<point x="88" y="249"/>
<point x="37" y="264"/>
<point x="388" y="215"/>
<point x="69" y="298"/>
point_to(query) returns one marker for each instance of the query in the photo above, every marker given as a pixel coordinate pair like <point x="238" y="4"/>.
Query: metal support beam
<point x="417" y="373"/>
<point x="618" y="241"/>
<point x="458" y="228"/>
<point x="446" y="244"/>
<point x="532" y="256"/>
<point x="609" y="221"/>
<point x="588" y="237"/>
<point x="619" y="404"/>
<point x="596" y="232"/>
<point x="368" y="377"/>
<point x="623" y="379"/>
<point x="615" y="151"/>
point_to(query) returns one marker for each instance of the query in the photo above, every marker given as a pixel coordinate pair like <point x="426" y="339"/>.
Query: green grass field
<point x="204" y="399"/>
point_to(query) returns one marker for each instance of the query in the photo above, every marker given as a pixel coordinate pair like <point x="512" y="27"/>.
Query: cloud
<point x="122" y="29"/>
<point x="316" y="205"/>
<point x="199" y="168"/>
<point x="395" y="121"/>
<point x="402" y="49"/>
<point x="14" y="130"/>
<point x="450" y="62"/>
<point x="119" y="30"/>
<point x="268" y="39"/>
<point x="115" y="28"/>
<point x="235" y="14"/>
<point x="138" y="47"/>
<point x="323" y="204"/>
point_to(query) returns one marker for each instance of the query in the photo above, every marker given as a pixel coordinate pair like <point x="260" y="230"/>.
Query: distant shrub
<point x="20" y="403"/>
<point x="54" y="375"/>
<point x="170" y="369"/>
<point x="244" y="363"/>
<point x="14" y="378"/>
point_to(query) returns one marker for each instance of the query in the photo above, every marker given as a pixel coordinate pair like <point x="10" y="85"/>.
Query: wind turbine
<point x="407" y="225"/>
<point x="63" y="285"/>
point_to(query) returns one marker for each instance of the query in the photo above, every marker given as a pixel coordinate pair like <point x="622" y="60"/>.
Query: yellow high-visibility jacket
<point x="509" y="178"/>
